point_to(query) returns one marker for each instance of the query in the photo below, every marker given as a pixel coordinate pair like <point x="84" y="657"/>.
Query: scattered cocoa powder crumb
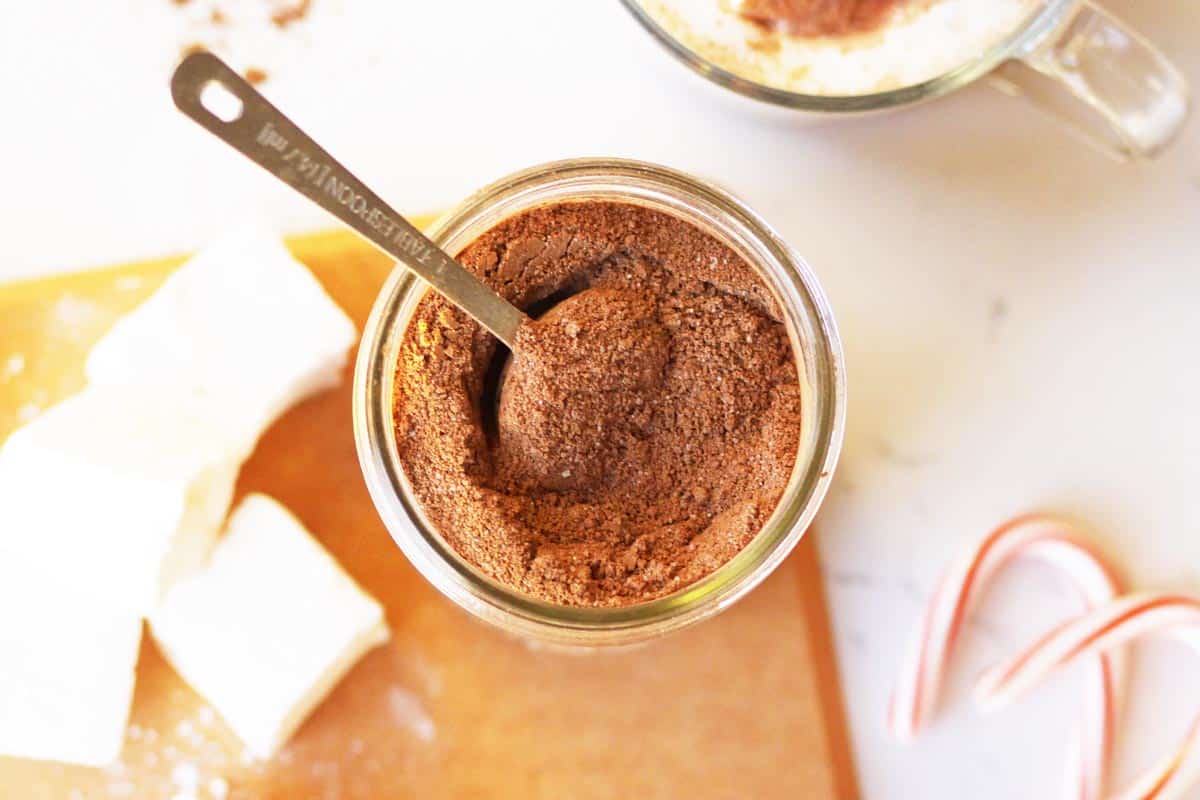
<point x="255" y="76"/>
<point x="282" y="13"/>
<point x="291" y="12"/>
<point x="194" y="47"/>
<point x="647" y="423"/>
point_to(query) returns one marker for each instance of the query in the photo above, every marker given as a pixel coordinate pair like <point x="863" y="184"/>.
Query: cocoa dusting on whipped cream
<point x="839" y="48"/>
<point x="647" y="423"/>
<point x="818" y="17"/>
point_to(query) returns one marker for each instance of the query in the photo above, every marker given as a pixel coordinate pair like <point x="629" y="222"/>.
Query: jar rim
<point x="815" y="342"/>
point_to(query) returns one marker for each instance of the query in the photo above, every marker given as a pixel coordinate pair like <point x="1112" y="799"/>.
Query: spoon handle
<point x="243" y="119"/>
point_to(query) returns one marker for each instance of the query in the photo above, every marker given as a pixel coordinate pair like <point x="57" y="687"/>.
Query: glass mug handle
<point x="1103" y="80"/>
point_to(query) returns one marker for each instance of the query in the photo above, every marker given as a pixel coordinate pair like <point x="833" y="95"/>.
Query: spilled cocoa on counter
<point x="646" y="424"/>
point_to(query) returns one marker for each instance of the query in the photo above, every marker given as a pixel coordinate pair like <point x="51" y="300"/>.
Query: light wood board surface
<point x="743" y="706"/>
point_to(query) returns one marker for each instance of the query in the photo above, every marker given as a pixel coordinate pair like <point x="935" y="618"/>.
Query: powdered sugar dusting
<point x="121" y="788"/>
<point x="186" y="777"/>
<point x="34" y="405"/>
<point x="75" y="312"/>
<point x="408" y="712"/>
<point x="14" y="365"/>
<point x="175" y="760"/>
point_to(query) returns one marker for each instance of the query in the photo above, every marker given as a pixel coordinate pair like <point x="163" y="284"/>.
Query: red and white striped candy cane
<point x="1035" y="536"/>
<point x="1098" y="632"/>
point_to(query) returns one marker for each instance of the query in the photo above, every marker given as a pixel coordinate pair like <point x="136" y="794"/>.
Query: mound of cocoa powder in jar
<point x="644" y="428"/>
<point x="578" y="402"/>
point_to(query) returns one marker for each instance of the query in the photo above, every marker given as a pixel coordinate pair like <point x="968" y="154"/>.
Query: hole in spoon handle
<point x="208" y="91"/>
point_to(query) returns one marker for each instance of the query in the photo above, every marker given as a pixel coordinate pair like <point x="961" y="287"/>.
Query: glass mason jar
<point x="810" y="326"/>
<point x="1071" y="58"/>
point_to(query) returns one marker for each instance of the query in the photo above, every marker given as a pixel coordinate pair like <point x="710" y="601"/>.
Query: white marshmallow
<point x="268" y="628"/>
<point x="70" y="650"/>
<point x="119" y="483"/>
<point x="110" y="497"/>
<point x="242" y="320"/>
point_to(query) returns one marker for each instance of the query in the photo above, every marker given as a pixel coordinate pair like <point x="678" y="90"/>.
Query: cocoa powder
<point x="647" y="423"/>
<point x="819" y="17"/>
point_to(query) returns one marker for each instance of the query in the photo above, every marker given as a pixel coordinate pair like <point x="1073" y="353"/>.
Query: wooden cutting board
<point x="743" y="706"/>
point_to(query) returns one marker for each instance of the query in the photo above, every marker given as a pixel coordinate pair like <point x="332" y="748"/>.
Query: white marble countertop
<point x="1019" y="312"/>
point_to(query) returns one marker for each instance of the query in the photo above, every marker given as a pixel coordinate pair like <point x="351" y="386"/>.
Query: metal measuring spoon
<point x="243" y="119"/>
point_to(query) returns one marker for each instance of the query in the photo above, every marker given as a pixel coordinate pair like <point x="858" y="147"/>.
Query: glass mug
<point x="1070" y="57"/>
<point x="810" y="326"/>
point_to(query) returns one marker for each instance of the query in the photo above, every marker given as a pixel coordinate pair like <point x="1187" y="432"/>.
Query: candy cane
<point x="1047" y="539"/>
<point x="1095" y="633"/>
<point x="1174" y="774"/>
